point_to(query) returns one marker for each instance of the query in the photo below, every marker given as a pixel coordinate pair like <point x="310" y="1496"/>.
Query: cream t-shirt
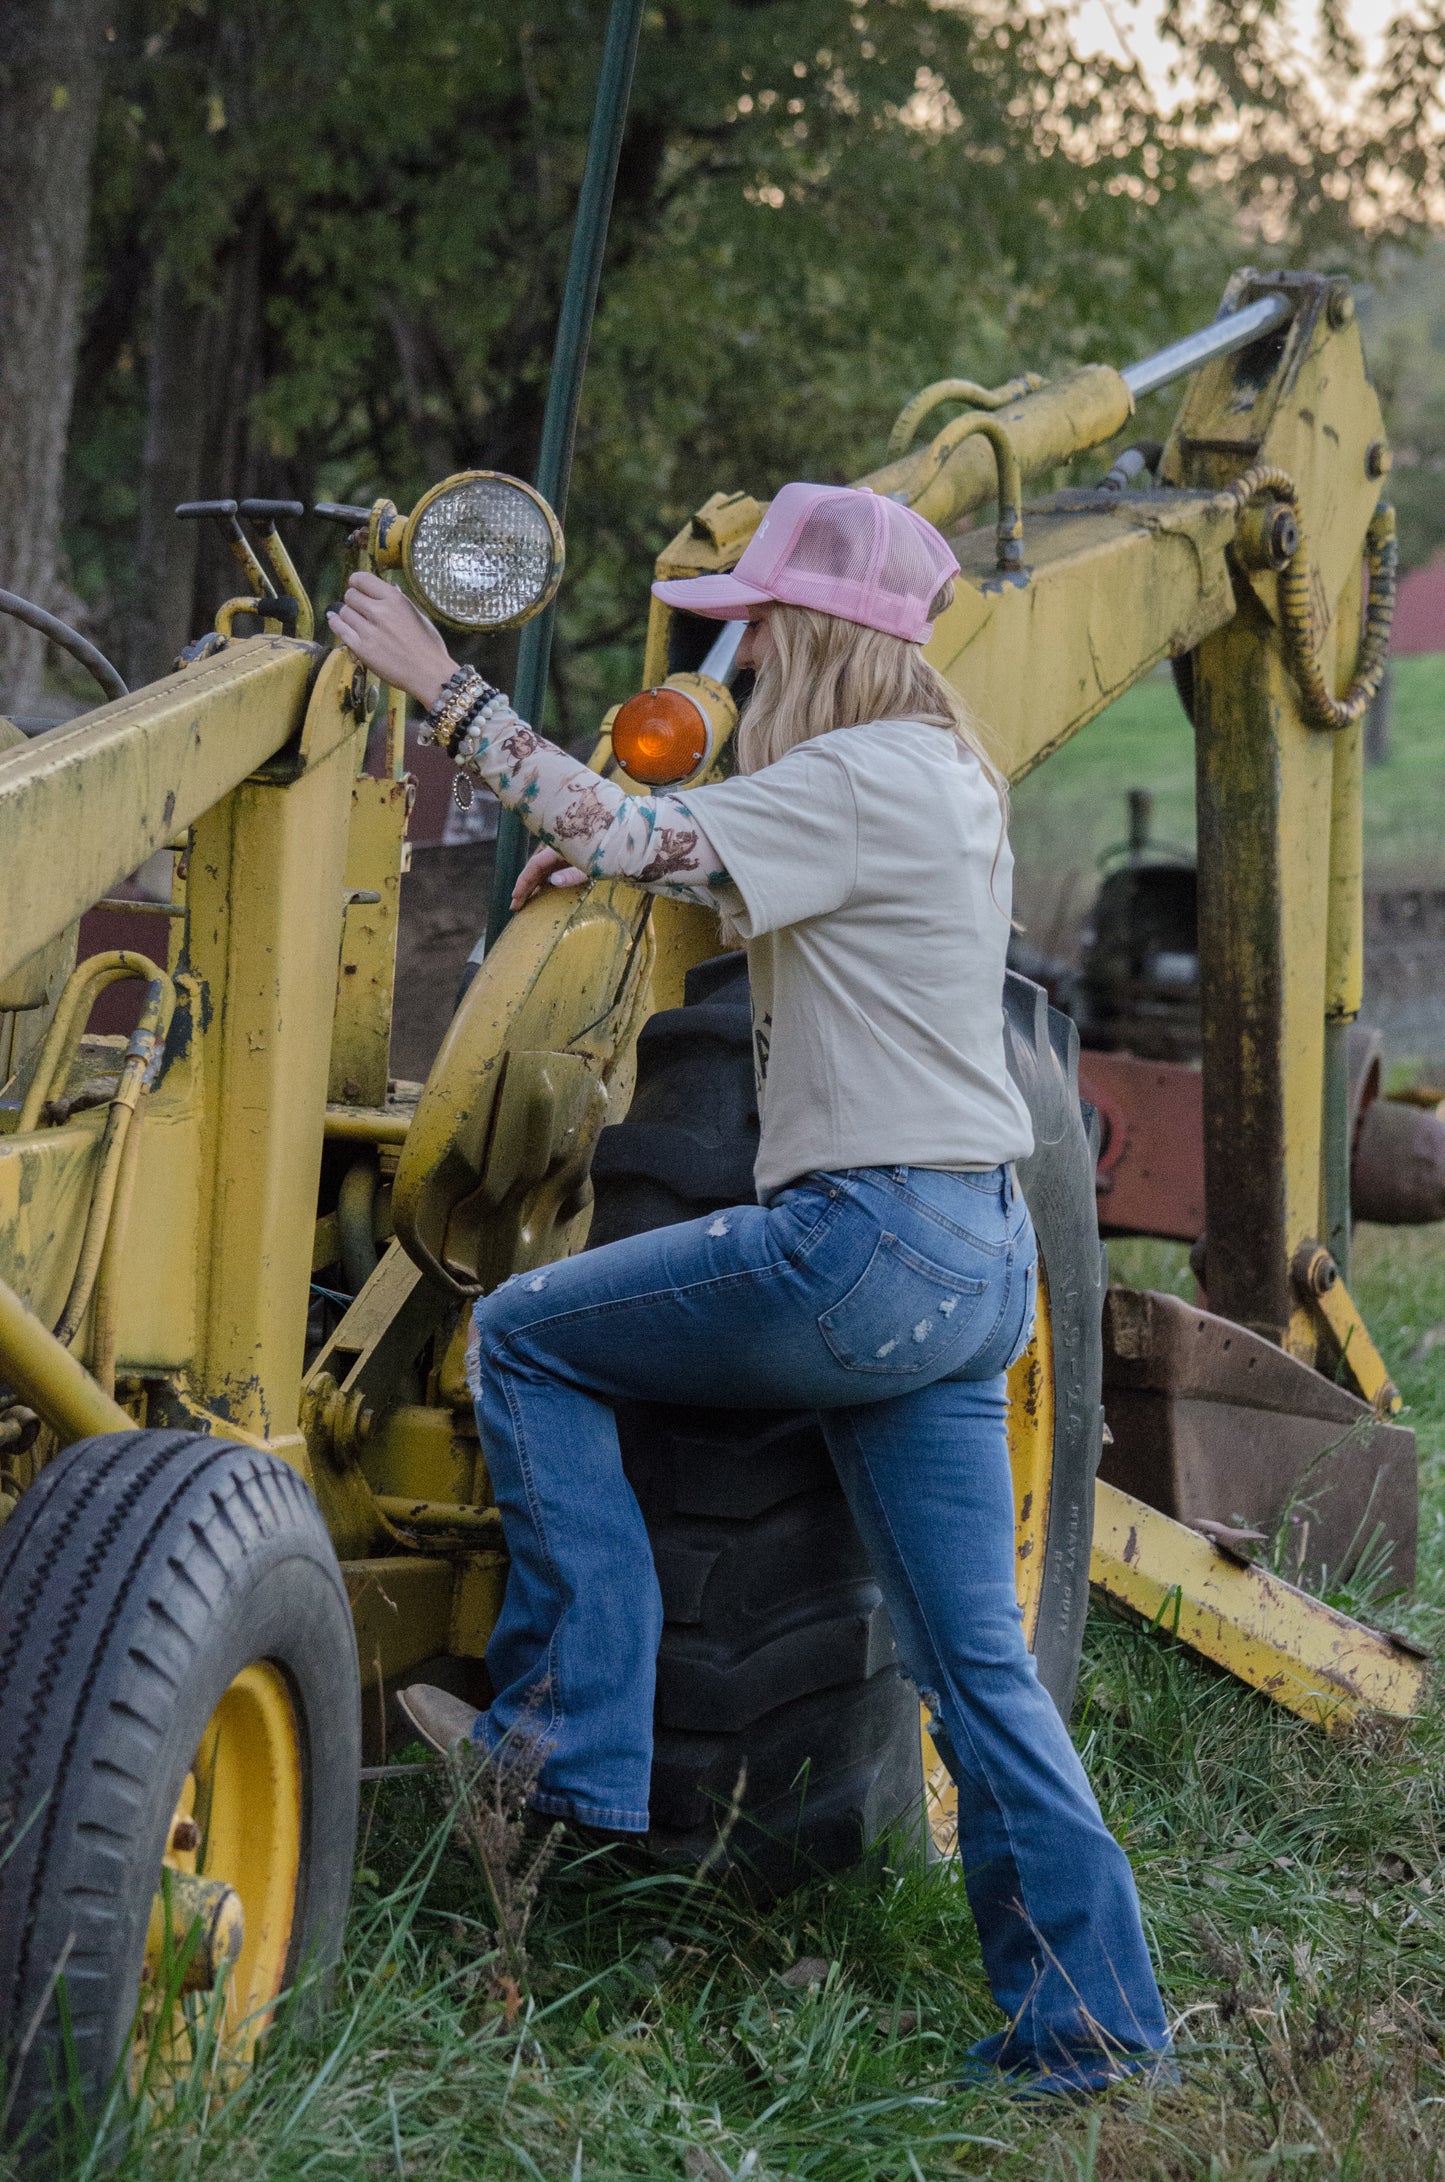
<point x="871" y="884"/>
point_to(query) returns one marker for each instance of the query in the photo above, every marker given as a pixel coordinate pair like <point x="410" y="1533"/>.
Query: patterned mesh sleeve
<point x="653" y="840"/>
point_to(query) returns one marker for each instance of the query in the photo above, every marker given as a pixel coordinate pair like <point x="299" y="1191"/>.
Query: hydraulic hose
<point x="1319" y="704"/>
<point x="138" y="1072"/>
<point x="355" y="1211"/>
<point x="114" y="1172"/>
<point x="912" y="414"/>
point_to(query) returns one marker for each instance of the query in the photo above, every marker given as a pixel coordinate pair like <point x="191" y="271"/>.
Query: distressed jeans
<point x="892" y="1301"/>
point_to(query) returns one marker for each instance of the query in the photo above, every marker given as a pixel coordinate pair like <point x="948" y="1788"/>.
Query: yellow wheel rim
<point x="1031" y="1460"/>
<point x="238" y="1823"/>
<point x="249" y="1804"/>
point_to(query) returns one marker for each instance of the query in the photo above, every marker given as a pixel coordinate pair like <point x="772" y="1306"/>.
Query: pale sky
<point x="1118" y="27"/>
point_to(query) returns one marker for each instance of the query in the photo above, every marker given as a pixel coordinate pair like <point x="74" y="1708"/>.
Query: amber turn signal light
<point x="660" y="736"/>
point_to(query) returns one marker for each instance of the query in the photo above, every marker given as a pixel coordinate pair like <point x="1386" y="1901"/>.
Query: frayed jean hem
<point x="616" y="1819"/>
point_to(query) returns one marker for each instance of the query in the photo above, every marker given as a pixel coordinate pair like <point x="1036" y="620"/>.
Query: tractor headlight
<point x="483" y="551"/>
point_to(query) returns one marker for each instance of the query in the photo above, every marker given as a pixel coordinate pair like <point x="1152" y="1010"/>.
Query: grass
<point x="1291" y="1884"/>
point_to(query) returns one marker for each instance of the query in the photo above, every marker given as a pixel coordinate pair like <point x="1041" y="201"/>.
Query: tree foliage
<point x="329" y="245"/>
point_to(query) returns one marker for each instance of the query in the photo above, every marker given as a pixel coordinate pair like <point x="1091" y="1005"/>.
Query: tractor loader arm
<point x="1241" y="559"/>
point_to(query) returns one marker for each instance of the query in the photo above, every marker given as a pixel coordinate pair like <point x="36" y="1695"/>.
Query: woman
<point x="885" y="1277"/>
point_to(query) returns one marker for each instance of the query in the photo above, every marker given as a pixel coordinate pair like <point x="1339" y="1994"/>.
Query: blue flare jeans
<point x="892" y="1301"/>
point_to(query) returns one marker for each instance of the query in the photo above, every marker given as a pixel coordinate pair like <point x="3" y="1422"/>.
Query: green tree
<point x="330" y="244"/>
<point x="1404" y="327"/>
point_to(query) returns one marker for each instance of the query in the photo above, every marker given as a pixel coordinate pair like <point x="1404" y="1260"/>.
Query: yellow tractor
<point x="242" y="1486"/>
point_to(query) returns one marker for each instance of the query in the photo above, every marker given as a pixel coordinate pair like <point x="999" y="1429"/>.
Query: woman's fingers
<point x="538" y="866"/>
<point x="542" y="865"/>
<point x="388" y="634"/>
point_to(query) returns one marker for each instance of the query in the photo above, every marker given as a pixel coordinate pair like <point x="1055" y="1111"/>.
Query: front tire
<point x="178" y="1692"/>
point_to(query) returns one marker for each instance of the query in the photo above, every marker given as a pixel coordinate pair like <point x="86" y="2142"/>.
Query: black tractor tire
<point x="782" y="1717"/>
<point x="781" y="1706"/>
<point x="1041" y="1047"/>
<point x="140" y="1575"/>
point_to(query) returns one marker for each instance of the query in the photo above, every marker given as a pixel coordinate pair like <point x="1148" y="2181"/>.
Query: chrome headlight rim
<point x="452" y="484"/>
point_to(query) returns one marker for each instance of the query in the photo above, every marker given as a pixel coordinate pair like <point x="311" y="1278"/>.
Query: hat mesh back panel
<point x="909" y="570"/>
<point x="833" y="544"/>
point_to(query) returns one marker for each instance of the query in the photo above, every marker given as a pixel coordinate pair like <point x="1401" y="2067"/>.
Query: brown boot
<point x="439" y="1718"/>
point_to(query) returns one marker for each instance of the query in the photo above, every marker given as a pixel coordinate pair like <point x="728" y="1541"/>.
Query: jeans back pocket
<point x="901" y="1312"/>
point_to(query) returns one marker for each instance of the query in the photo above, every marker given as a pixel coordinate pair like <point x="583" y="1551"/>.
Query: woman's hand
<point x="542" y="866"/>
<point x="387" y="633"/>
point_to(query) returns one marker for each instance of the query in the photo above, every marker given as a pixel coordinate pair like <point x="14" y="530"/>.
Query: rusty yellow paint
<point x="418" y="1455"/>
<point x="940" y="1796"/>
<point x="484" y="1187"/>
<point x="92" y="801"/>
<point x="684" y="934"/>
<point x="265" y="916"/>
<point x="1301" y="1653"/>
<point x="1278" y="801"/>
<point x="49" y="1379"/>
<point x="1031" y="1418"/>
<point x="476" y="1602"/>
<point x="401" y="1605"/>
<point x="1169" y="564"/>
<point x="947" y="477"/>
<point x="1349" y="1339"/>
<point x="1345" y="942"/>
<point x="1031" y="1456"/>
<point x="256" y="752"/>
<point x="45" y="1181"/>
<point x="1265" y="792"/>
<point x="361" y="1030"/>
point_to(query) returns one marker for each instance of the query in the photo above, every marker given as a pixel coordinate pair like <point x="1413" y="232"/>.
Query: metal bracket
<point x="1317" y="1278"/>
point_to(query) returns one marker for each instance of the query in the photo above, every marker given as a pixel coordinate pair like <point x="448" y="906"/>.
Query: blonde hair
<point x="824" y="672"/>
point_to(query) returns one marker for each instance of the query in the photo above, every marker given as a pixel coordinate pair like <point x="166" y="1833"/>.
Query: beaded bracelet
<point x="461" y="698"/>
<point x="454" y="684"/>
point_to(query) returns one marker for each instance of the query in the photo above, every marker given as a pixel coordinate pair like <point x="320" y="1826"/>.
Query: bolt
<point x="1341" y="307"/>
<point x="1283" y="536"/>
<point x="185" y="1834"/>
<point x="1378" y="459"/>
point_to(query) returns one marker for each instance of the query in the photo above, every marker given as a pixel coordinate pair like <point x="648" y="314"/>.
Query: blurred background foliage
<point x="327" y="245"/>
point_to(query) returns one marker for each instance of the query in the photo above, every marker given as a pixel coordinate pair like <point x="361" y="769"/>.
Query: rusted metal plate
<point x="1213" y="1423"/>
<point x="1150" y="1178"/>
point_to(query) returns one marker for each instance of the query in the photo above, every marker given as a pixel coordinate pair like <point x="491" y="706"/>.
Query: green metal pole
<point x="564" y="391"/>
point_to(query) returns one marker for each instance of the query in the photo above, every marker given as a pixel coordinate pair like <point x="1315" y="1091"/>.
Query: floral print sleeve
<point x="653" y="840"/>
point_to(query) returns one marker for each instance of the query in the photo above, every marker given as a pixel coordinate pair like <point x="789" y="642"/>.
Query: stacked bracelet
<point x="458" y="722"/>
<point x="461" y="699"/>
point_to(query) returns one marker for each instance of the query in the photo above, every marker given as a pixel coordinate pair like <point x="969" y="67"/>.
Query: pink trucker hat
<point x="837" y="548"/>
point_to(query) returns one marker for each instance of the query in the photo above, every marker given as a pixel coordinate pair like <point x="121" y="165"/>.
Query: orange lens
<point x="659" y="737"/>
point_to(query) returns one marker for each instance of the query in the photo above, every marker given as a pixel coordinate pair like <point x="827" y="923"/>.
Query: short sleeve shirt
<point x="872" y="880"/>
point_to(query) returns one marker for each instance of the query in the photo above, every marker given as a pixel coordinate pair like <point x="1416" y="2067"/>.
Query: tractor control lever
<point x="266" y="513"/>
<point x="340" y="511"/>
<point x="223" y="514"/>
<point x="263" y="514"/>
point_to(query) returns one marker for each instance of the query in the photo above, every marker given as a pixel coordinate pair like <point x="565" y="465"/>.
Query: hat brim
<point x="718" y="598"/>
